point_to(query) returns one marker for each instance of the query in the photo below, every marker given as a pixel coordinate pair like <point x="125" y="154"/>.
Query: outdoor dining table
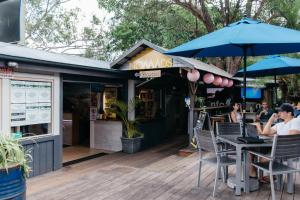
<point x="240" y="146"/>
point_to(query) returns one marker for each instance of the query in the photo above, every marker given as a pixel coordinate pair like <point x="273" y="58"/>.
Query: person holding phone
<point x="289" y="126"/>
<point x="235" y="114"/>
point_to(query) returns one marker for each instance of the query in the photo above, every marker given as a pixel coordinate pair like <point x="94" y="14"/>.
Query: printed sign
<point x="150" y="59"/>
<point x="150" y="74"/>
<point x="6" y="72"/>
<point x="18" y="93"/>
<point x="44" y="113"/>
<point x="30" y="103"/>
<point x="18" y="115"/>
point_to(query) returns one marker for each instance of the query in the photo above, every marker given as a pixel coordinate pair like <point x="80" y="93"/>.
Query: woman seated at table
<point x="237" y="116"/>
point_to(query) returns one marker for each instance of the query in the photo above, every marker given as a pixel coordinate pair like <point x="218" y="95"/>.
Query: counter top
<point x="210" y="108"/>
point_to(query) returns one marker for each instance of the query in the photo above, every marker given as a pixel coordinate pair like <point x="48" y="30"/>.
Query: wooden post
<point x="192" y="95"/>
<point x="131" y="96"/>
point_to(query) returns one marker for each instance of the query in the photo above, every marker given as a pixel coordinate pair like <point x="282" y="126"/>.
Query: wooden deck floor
<point x="158" y="173"/>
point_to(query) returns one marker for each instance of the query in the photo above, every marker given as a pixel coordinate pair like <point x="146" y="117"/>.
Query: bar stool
<point x="216" y="118"/>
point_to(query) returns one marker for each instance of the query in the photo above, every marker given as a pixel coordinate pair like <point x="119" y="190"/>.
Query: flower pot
<point x="12" y="184"/>
<point x="131" y="145"/>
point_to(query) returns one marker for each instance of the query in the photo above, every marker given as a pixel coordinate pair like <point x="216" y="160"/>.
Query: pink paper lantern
<point x="217" y="81"/>
<point x="230" y="83"/>
<point x="208" y="78"/>
<point x="224" y="82"/>
<point x="193" y="75"/>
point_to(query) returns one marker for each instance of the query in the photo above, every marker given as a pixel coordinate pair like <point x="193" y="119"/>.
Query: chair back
<point x="228" y="128"/>
<point x="204" y="141"/>
<point x="286" y="147"/>
<point x="204" y="120"/>
<point x="251" y="130"/>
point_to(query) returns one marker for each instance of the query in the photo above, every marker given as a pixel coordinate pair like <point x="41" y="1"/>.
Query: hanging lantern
<point x="193" y="75"/>
<point x="208" y="78"/>
<point x="217" y="81"/>
<point x="230" y="83"/>
<point x="224" y="82"/>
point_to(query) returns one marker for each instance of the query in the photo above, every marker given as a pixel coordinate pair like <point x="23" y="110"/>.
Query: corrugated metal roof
<point x="34" y="55"/>
<point x="188" y="62"/>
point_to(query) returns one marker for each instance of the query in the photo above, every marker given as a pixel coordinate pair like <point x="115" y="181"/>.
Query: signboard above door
<point x="149" y="74"/>
<point x="150" y="59"/>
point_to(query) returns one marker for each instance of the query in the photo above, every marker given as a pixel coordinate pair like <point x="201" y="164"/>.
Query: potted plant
<point x="132" y="138"/>
<point x="13" y="169"/>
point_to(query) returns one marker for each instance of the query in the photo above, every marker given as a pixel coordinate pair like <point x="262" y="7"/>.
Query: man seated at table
<point x="289" y="126"/>
<point x="264" y="113"/>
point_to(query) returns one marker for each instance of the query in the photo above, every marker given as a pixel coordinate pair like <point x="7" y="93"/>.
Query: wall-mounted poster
<point x="32" y="113"/>
<point x="44" y="113"/>
<point x="18" y="92"/>
<point x="18" y="114"/>
<point x="30" y="103"/>
<point x="32" y="92"/>
<point x="44" y="92"/>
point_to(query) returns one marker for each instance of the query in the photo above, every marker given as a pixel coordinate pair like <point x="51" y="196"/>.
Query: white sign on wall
<point x="150" y="74"/>
<point x="18" y="114"/>
<point x="18" y="92"/>
<point x="30" y="103"/>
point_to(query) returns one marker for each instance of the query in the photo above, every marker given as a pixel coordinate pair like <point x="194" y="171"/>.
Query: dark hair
<point x="232" y="104"/>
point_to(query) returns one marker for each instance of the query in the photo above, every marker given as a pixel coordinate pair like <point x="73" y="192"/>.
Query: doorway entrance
<point x="76" y="123"/>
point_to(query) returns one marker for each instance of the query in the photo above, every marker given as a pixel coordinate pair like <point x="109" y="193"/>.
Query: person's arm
<point x="258" y="114"/>
<point x="268" y="129"/>
<point x="295" y="128"/>
<point x="233" y="117"/>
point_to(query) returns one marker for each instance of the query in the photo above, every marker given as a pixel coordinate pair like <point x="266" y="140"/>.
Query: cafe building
<point x="166" y="97"/>
<point x="57" y="105"/>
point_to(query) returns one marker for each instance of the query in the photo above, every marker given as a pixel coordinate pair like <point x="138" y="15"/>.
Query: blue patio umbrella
<point x="246" y="37"/>
<point x="272" y="66"/>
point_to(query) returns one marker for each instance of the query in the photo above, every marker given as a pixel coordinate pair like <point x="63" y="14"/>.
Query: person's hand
<point x="274" y="117"/>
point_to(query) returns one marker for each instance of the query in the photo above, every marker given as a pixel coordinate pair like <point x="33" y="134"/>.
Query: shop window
<point x="31" y="108"/>
<point x="148" y="106"/>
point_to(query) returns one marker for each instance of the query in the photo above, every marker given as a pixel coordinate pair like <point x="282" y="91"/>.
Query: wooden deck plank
<point x="158" y="173"/>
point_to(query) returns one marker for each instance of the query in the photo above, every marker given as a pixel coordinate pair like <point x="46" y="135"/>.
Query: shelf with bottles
<point x="109" y="94"/>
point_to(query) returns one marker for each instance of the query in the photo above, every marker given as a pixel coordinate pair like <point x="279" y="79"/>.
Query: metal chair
<point x="283" y="148"/>
<point x="228" y="128"/>
<point x="220" y="158"/>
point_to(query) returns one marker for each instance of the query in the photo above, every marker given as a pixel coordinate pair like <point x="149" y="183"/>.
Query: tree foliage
<point x="160" y="22"/>
<point x="52" y="27"/>
<point x="169" y="23"/>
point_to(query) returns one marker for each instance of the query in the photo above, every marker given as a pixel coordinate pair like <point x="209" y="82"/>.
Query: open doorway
<point x="76" y="123"/>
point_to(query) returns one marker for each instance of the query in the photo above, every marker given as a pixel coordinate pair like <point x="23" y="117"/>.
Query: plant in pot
<point x="132" y="138"/>
<point x="13" y="169"/>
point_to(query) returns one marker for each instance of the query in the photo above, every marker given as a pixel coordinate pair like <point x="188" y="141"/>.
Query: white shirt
<point x="283" y="128"/>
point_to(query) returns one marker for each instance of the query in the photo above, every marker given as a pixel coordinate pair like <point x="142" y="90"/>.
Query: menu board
<point x="18" y="92"/>
<point x="18" y="114"/>
<point x="30" y="103"/>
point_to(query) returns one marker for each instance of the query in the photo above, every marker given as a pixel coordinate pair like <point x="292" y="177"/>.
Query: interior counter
<point x="106" y="134"/>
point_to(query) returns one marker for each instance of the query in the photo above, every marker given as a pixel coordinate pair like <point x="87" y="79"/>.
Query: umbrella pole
<point x="244" y="96"/>
<point x="275" y="80"/>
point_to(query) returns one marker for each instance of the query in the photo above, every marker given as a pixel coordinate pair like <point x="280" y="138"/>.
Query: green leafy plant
<point x="122" y="110"/>
<point x="12" y="153"/>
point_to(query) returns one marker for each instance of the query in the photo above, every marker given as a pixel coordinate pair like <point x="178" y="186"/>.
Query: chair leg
<point x="199" y="173"/>
<point x="272" y="187"/>
<point x="224" y="172"/>
<point x="216" y="179"/>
